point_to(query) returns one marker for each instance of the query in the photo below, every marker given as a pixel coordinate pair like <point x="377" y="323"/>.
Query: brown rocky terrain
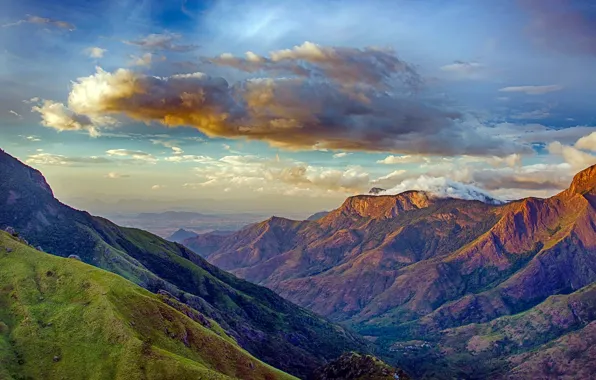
<point x="410" y="266"/>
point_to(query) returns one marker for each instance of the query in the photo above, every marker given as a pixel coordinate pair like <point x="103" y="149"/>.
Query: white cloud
<point x="278" y="176"/>
<point x="442" y="187"/>
<point x="189" y="158"/>
<point x="115" y="175"/>
<point x="60" y="160"/>
<point x="58" y="116"/>
<point x="95" y="52"/>
<point x="341" y="155"/>
<point x="134" y="154"/>
<point x="157" y="187"/>
<point x="15" y="114"/>
<point x="407" y="159"/>
<point x="587" y="142"/>
<point x="576" y="158"/>
<point x="533" y="90"/>
<point x="144" y="60"/>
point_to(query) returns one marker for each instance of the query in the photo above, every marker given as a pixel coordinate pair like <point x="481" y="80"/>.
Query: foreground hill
<point x="408" y="267"/>
<point x="269" y="327"/>
<point x="63" y="319"/>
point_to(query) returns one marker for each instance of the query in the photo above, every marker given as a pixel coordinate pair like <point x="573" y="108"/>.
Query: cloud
<point x="341" y="155"/>
<point x="162" y="41"/>
<point x="390" y="180"/>
<point x="278" y="176"/>
<point x="533" y="90"/>
<point x="172" y="144"/>
<point x="464" y="70"/>
<point x="188" y="158"/>
<point x="291" y="113"/>
<point x="58" y="116"/>
<point x="538" y="133"/>
<point x="114" y="175"/>
<point x="60" y="160"/>
<point x="15" y="114"/>
<point x="512" y="160"/>
<point x="532" y="115"/>
<point x="145" y="60"/>
<point x="134" y="154"/>
<point x="95" y="52"/>
<point x="576" y="158"/>
<point x="587" y="142"/>
<point x="42" y="21"/>
<point x="32" y="138"/>
<point x="443" y="188"/>
<point x="530" y="177"/>
<point x="371" y="66"/>
<point x="157" y="187"/>
<point x="407" y="159"/>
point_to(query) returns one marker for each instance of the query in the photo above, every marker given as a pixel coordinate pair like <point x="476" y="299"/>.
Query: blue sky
<point x="334" y="98"/>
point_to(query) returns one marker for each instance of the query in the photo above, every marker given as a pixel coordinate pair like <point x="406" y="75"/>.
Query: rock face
<point x="351" y="366"/>
<point x="271" y="328"/>
<point x="409" y="266"/>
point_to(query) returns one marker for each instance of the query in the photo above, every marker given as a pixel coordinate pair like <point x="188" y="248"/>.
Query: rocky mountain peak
<point x="384" y="206"/>
<point x="584" y="181"/>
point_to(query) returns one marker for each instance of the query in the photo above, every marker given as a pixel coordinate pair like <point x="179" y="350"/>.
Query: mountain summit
<point x="584" y="181"/>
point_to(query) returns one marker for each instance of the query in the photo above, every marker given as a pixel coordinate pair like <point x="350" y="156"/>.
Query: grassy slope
<point x="61" y="318"/>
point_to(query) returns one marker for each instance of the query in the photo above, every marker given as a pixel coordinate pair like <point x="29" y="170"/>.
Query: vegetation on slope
<point x="555" y="334"/>
<point x="63" y="319"/>
<point x="352" y="366"/>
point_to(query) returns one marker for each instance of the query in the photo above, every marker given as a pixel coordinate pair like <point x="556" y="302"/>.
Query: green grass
<point x="63" y="319"/>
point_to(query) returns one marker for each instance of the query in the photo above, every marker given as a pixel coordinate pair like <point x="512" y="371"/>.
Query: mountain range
<point x="443" y="288"/>
<point x="269" y="327"/>
<point x="439" y="282"/>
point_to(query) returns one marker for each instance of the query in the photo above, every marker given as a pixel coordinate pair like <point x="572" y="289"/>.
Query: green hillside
<point x="63" y="319"/>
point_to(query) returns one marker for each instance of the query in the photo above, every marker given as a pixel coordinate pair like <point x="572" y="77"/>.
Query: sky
<point x="289" y="107"/>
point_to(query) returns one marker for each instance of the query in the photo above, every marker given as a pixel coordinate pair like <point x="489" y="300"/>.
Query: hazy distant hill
<point x="412" y="267"/>
<point x="181" y="235"/>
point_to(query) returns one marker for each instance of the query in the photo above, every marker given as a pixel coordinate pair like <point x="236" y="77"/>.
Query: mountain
<point x="63" y="319"/>
<point x="410" y="267"/>
<point x="181" y="235"/>
<point x="274" y="330"/>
